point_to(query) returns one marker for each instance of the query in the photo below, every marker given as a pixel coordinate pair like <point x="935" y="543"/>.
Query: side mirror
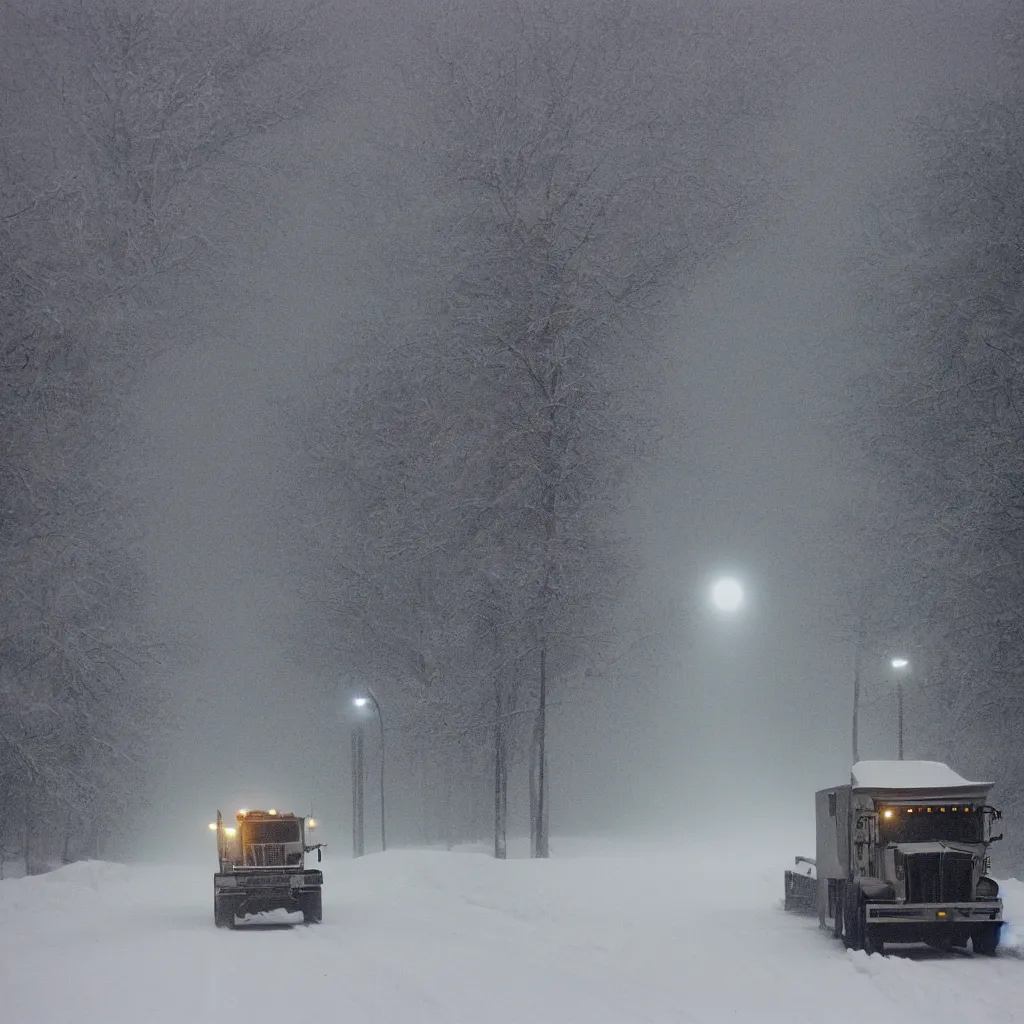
<point x="320" y="854"/>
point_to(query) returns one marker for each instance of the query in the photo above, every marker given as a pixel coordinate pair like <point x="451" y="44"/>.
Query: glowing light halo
<point x="727" y="594"/>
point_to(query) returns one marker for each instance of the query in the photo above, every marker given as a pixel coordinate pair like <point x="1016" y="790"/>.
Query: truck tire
<point x="853" y="918"/>
<point x="224" y="911"/>
<point x="986" y="940"/>
<point x="837" y="912"/>
<point x="312" y="907"/>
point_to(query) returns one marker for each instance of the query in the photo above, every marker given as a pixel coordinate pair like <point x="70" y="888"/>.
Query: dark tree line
<point x="119" y="121"/>
<point x="937" y="499"/>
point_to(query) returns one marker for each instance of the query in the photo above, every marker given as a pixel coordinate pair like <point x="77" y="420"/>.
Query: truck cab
<point x="903" y="856"/>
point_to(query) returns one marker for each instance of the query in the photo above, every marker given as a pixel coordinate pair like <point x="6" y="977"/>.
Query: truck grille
<point x="264" y="855"/>
<point x="939" y="877"/>
<point x="266" y="881"/>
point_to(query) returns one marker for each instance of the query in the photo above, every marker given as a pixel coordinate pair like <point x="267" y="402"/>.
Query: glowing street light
<point x="362" y="702"/>
<point x="727" y="595"/>
<point x="901" y="667"/>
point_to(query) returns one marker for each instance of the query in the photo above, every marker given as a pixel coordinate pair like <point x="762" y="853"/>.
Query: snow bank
<point x="1012" y="939"/>
<point x="607" y="933"/>
<point x="88" y="880"/>
<point x="907" y="775"/>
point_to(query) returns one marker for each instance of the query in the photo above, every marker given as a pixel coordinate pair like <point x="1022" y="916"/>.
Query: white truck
<point x="262" y="867"/>
<point x="902" y="857"/>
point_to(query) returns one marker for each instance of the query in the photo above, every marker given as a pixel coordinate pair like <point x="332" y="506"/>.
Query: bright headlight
<point x="988" y="889"/>
<point x="231" y="832"/>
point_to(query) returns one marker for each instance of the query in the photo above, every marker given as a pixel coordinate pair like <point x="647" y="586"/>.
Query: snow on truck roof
<point x="908" y="775"/>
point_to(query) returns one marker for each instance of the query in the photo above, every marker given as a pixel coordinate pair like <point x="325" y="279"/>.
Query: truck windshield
<point x="271" y="832"/>
<point x="925" y="824"/>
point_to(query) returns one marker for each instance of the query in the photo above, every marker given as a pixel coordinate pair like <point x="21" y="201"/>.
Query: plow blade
<point x="802" y="889"/>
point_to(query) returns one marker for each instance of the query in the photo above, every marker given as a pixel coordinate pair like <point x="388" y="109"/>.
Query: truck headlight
<point x="988" y="889"/>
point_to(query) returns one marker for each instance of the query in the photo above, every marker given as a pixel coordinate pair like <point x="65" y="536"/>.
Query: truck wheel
<point x="853" y="919"/>
<point x="986" y="940"/>
<point x="837" y="920"/>
<point x="872" y="943"/>
<point x="224" y="911"/>
<point x="312" y="907"/>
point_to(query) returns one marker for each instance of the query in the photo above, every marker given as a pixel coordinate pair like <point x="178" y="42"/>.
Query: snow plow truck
<point x="903" y="857"/>
<point x="262" y="867"/>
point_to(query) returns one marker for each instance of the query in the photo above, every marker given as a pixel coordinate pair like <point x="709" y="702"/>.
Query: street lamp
<point x="900" y="667"/>
<point x="727" y="595"/>
<point x="361" y="702"/>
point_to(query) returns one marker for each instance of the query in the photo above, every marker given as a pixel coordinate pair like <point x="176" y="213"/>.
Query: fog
<point x="676" y="716"/>
<point x="752" y="712"/>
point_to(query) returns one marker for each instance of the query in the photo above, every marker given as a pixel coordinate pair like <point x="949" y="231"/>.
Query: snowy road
<point x="412" y="936"/>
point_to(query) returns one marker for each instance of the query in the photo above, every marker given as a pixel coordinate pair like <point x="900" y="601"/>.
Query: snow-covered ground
<point x="598" y="934"/>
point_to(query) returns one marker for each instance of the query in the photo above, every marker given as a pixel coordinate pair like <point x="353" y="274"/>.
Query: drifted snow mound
<point x="278" y="916"/>
<point x="79" y="880"/>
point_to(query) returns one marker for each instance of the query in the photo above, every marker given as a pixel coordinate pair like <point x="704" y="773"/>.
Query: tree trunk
<point x="97" y="837"/>
<point x="65" y="856"/>
<point x="500" y="776"/>
<point x="538" y="774"/>
<point x="426" y="831"/>
<point x="26" y="849"/>
<point x="447" y="810"/>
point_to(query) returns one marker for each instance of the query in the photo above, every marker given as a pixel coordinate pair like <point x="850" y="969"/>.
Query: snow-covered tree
<point x="565" y="170"/>
<point x="938" y="419"/>
<point x="116" y="191"/>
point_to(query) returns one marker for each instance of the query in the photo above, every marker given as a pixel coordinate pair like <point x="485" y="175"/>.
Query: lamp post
<point x="357" y="789"/>
<point x="361" y="702"/>
<point x="900" y="666"/>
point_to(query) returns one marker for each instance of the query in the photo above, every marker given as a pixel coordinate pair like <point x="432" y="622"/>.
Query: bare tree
<point x="554" y="175"/>
<point x="579" y="208"/>
<point x="124" y="125"/>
